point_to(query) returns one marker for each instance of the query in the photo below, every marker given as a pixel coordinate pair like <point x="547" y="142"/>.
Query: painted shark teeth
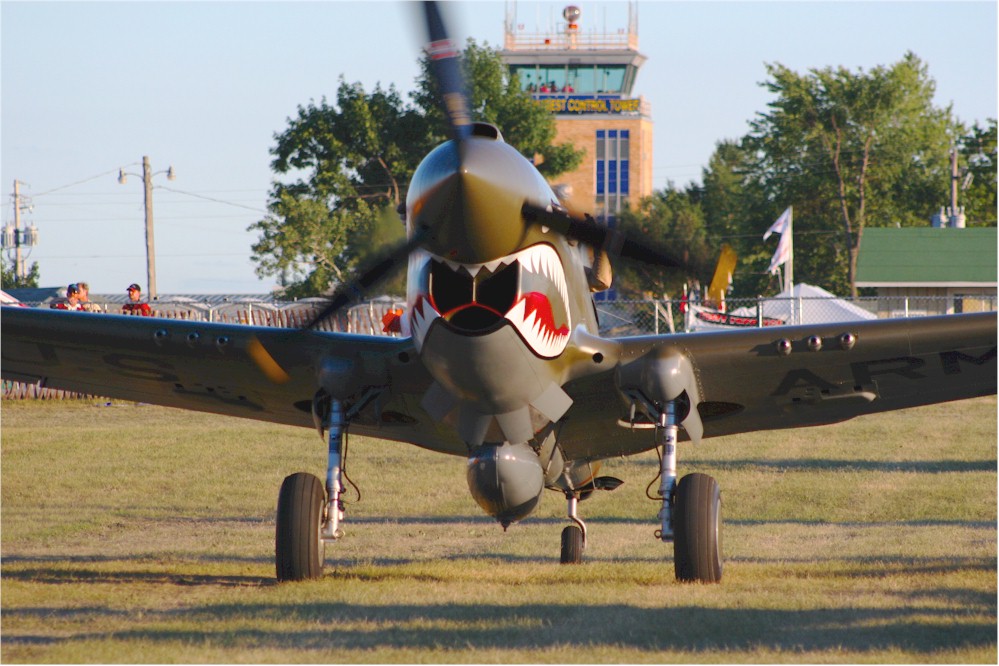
<point x="542" y="281"/>
<point x="421" y="316"/>
<point x="475" y="269"/>
<point x="543" y="260"/>
<point x="536" y="329"/>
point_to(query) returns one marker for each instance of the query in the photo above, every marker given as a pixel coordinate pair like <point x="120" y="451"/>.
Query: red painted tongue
<point x="537" y="302"/>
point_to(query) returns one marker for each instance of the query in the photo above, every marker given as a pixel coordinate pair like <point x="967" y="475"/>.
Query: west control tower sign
<point x="578" y="104"/>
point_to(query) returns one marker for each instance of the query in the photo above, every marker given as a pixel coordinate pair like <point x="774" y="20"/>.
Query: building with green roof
<point x="926" y="270"/>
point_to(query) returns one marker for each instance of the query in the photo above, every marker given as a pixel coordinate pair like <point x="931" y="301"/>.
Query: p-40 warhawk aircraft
<point x="502" y="361"/>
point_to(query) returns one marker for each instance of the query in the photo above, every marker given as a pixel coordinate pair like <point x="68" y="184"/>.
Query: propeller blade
<point x="614" y="242"/>
<point x="379" y="269"/>
<point x="445" y="66"/>
<point x="266" y="362"/>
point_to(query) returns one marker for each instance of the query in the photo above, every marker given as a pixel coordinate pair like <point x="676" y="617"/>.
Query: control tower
<point x="585" y="78"/>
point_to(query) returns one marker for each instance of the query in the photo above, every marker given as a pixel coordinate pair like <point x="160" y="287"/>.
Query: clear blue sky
<point x="91" y="87"/>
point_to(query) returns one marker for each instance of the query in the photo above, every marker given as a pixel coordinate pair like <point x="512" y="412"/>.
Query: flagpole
<point x="789" y="283"/>
<point x="784" y="254"/>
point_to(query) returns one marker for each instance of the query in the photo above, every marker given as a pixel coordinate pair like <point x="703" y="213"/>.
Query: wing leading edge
<point x="787" y="377"/>
<point x="209" y="367"/>
<point x="740" y="381"/>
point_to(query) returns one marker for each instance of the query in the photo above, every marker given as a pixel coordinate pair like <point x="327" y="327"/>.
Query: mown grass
<point x="141" y="534"/>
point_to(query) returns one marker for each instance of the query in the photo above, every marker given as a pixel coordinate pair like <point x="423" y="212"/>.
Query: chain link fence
<point x="643" y="317"/>
<point x="365" y="319"/>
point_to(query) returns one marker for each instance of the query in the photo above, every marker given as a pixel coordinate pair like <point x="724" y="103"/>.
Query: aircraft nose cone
<point x="471" y="203"/>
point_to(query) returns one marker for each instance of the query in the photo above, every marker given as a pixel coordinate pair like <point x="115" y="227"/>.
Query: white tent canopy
<point x="807" y="304"/>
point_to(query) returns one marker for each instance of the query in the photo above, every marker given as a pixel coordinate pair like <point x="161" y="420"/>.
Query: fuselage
<point x="494" y="302"/>
<point x="497" y="309"/>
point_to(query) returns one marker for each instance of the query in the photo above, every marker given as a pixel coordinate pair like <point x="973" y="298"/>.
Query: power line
<point x="207" y="198"/>
<point x="80" y="182"/>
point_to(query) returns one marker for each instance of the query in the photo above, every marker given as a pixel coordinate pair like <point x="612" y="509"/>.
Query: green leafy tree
<point x="10" y="279"/>
<point x="675" y="220"/>
<point x="346" y="167"/>
<point x="845" y="148"/>
<point x="977" y="150"/>
<point x="352" y="160"/>
<point x="496" y="97"/>
<point x="734" y="206"/>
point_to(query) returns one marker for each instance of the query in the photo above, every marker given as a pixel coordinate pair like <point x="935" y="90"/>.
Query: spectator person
<point x="72" y="301"/>
<point x="135" y="305"/>
<point x="85" y="301"/>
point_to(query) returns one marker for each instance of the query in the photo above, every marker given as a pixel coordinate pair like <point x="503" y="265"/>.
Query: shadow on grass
<point x="72" y="573"/>
<point x="320" y="627"/>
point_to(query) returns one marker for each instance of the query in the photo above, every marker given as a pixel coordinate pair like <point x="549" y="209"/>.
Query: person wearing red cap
<point x="72" y="301"/>
<point x="135" y="305"/>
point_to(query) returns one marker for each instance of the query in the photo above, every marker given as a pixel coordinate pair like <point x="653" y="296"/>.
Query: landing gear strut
<point x="666" y="432"/>
<point x="691" y="510"/>
<point x="308" y="515"/>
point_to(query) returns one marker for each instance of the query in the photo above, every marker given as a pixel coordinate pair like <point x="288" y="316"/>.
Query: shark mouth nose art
<point x="526" y="289"/>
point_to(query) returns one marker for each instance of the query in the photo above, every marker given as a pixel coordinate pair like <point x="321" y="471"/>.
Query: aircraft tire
<point x="299" y="520"/>
<point x="572" y="545"/>
<point x="697" y="530"/>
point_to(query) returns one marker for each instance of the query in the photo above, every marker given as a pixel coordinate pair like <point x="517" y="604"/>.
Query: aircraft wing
<point x="209" y="367"/>
<point x="740" y="381"/>
<point x="750" y="380"/>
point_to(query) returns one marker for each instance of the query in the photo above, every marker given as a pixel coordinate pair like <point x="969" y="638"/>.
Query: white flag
<point x="783" y="253"/>
<point x="781" y="225"/>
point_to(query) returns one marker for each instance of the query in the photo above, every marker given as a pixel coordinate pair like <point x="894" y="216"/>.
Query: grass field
<point x="137" y="534"/>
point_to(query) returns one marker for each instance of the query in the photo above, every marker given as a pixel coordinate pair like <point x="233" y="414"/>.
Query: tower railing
<point x="521" y="41"/>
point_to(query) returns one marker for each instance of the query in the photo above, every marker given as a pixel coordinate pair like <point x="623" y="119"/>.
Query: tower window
<point x="612" y="163"/>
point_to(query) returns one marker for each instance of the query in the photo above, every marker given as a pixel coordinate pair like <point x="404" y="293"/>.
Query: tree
<point x="733" y="205"/>
<point x="847" y="150"/>
<point x="977" y="150"/>
<point x="847" y="147"/>
<point x="674" y="220"/>
<point x="349" y="164"/>
<point x="353" y="160"/>
<point x="497" y="98"/>
<point x="10" y="279"/>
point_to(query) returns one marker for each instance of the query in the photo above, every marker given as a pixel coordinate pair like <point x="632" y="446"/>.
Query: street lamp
<point x="147" y="180"/>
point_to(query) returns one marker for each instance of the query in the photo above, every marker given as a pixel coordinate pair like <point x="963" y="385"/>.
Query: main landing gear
<point x="690" y="515"/>
<point x="691" y="511"/>
<point x="309" y="515"/>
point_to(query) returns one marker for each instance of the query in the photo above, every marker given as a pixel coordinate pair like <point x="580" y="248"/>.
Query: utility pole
<point x="956" y="218"/>
<point x="147" y="181"/>
<point x="16" y="238"/>
<point x="953" y="181"/>
<point x="18" y="259"/>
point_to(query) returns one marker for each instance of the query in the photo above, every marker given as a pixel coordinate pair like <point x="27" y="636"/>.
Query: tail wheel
<point x="299" y="520"/>
<point x="572" y="545"/>
<point x="697" y="529"/>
